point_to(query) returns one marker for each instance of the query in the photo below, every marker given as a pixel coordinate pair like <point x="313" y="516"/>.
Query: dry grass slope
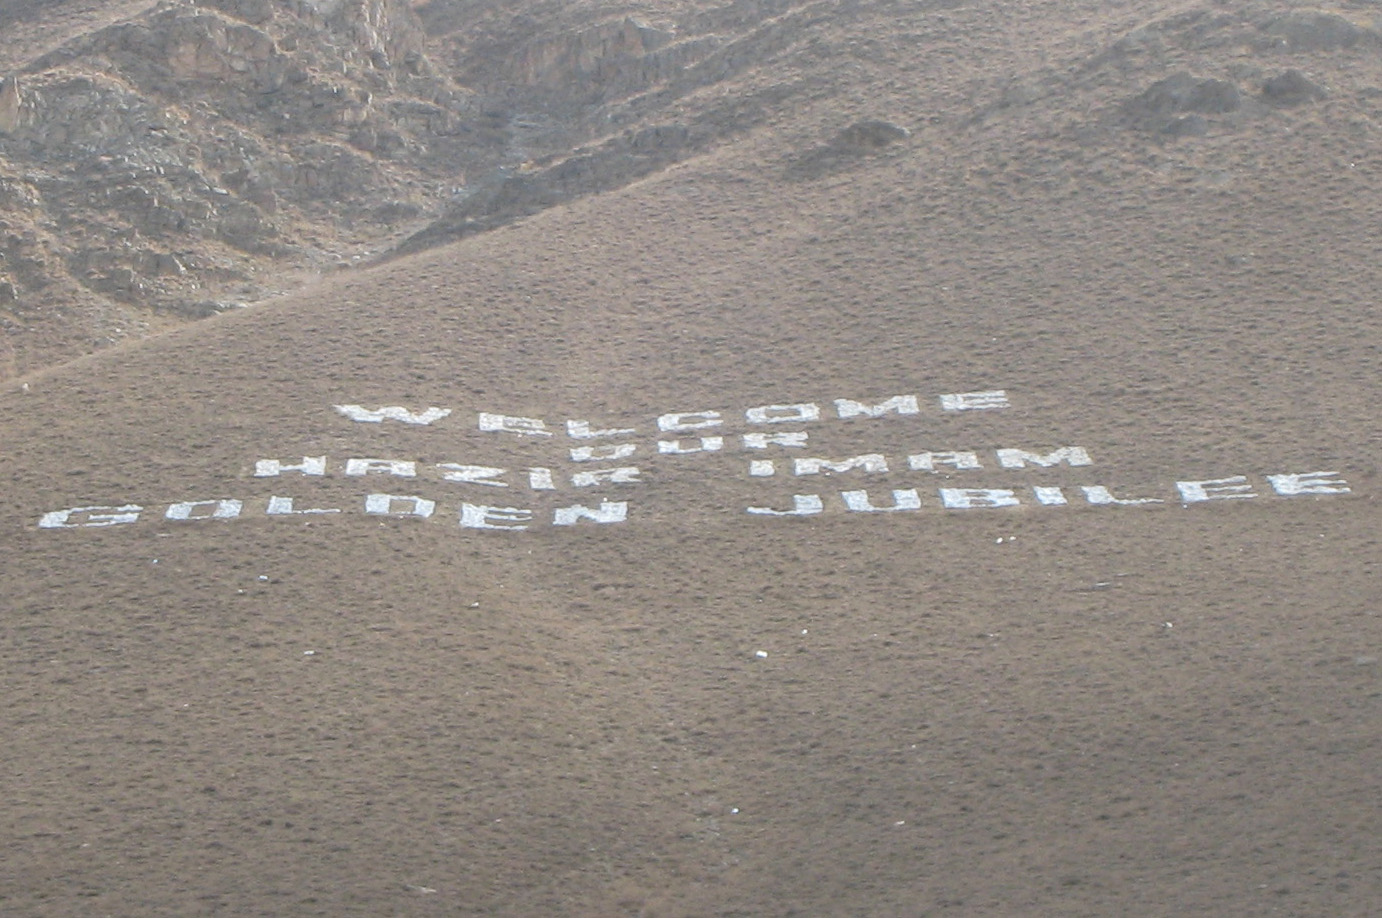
<point x="1148" y="225"/>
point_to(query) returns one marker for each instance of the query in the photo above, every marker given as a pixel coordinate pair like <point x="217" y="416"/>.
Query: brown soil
<point x="1167" y="709"/>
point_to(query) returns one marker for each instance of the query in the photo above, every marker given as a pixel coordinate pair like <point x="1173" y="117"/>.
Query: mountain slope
<point x="1086" y="622"/>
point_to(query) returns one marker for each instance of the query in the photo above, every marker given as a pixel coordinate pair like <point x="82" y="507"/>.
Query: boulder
<point x="870" y="135"/>
<point x="1183" y="92"/>
<point x="1315" y="30"/>
<point x="1291" y="87"/>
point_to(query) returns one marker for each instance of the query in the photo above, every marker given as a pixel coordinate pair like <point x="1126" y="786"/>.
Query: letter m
<point x="902" y="404"/>
<point x="393" y="413"/>
<point x="873" y="462"/>
<point x="1018" y="458"/>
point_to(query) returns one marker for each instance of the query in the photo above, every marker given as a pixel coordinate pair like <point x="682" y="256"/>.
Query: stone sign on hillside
<point x="603" y="469"/>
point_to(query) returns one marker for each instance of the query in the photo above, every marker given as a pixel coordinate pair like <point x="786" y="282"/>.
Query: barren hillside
<point x="849" y="459"/>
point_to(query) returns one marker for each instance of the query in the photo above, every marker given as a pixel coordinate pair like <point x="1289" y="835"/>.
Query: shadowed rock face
<point x="1292" y="88"/>
<point x="9" y="105"/>
<point x="245" y="139"/>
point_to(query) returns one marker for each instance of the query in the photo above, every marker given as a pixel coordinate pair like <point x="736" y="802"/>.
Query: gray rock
<point x="871" y="135"/>
<point x="10" y="104"/>
<point x="1292" y="88"/>
<point x="1183" y="92"/>
<point x="1187" y="126"/>
<point x="1316" y="30"/>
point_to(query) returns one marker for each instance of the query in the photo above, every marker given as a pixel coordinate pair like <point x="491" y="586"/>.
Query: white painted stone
<point x="1100" y="495"/>
<point x="472" y="474"/>
<point x="609" y="511"/>
<point x="476" y="516"/>
<point x="680" y="447"/>
<point x="272" y="468"/>
<point x="975" y="401"/>
<point x="581" y="430"/>
<point x="802" y="505"/>
<point x="783" y="414"/>
<point x="898" y="404"/>
<point x="387" y="505"/>
<point x="392" y="413"/>
<point x="790" y="439"/>
<point x="90" y="517"/>
<point x="872" y="463"/>
<point x="1235" y="488"/>
<point x="976" y="498"/>
<point x="399" y="468"/>
<point x="689" y="420"/>
<point x="927" y="462"/>
<point x="1308" y="483"/>
<point x="195" y="510"/>
<point x="1050" y="497"/>
<point x="540" y="479"/>
<point x="1018" y="458"/>
<point x="523" y="427"/>
<point x="858" y="501"/>
<point x="603" y="453"/>
<point x="622" y="475"/>
<point x="283" y="506"/>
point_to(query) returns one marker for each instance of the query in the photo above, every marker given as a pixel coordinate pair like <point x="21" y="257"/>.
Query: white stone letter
<point x="283" y="506"/>
<point x="1018" y="458"/>
<point x="902" y="404"/>
<point x="1098" y="494"/>
<point x="873" y="462"/>
<point x="1050" y="497"/>
<point x="973" y="498"/>
<point x="393" y="413"/>
<point x="603" y="453"/>
<point x="789" y="439"/>
<point x="625" y="475"/>
<point x="382" y="505"/>
<point x="400" y="468"/>
<point x="907" y="499"/>
<point x="927" y="462"/>
<point x="783" y="414"/>
<point x="762" y="468"/>
<point x="802" y="505"/>
<point x="524" y="427"/>
<point x="220" y="510"/>
<point x="1235" y="488"/>
<point x="91" y="516"/>
<point x="471" y="474"/>
<point x="1308" y="483"/>
<point x="580" y="430"/>
<point x="611" y="511"/>
<point x="272" y="468"/>
<point x="704" y="445"/>
<point x="975" y="401"/>
<point x="477" y="517"/>
<point x="540" y="479"/>
<point x="689" y="420"/>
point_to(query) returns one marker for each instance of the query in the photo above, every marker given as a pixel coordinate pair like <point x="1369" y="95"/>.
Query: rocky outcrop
<point x="10" y="105"/>
<point x="1315" y="30"/>
<point x="1182" y="92"/>
<point x="1292" y="87"/>
<point x="603" y="60"/>
<point x="197" y="147"/>
<point x="177" y="162"/>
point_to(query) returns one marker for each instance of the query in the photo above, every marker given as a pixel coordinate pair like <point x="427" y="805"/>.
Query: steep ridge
<point x="164" y="162"/>
<point x="1018" y="691"/>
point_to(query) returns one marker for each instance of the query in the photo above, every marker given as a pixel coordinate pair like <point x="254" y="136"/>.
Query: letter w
<point x="393" y="413"/>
